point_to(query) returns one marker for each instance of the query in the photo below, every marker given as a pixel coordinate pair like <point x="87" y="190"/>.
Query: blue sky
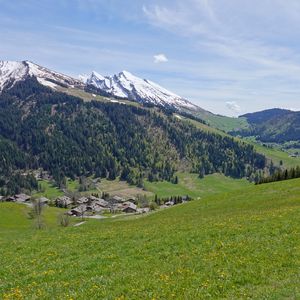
<point x="228" y="56"/>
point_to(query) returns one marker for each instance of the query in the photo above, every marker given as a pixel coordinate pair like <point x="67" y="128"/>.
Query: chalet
<point x="101" y="202"/>
<point x="11" y="199"/>
<point x="133" y="200"/>
<point x="94" y="208"/>
<point x="44" y="200"/>
<point x="22" y="198"/>
<point x="117" y="199"/>
<point x="129" y="207"/>
<point x="143" y="210"/>
<point x="93" y="198"/>
<point x="169" y="203"/>
<point x="64" y="201"/>
<point x="78" y="211"/>
<point x="83" y="200"/>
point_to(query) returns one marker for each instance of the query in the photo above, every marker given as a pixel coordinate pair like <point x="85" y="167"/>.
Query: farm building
<point x="22" y="198"/>
<point x="101" y="203"/>
<point x="78" y="211"/>
<point x="129" y="207"/>
<point x="64" y="201"/>
<point x="117" y="199"/>
<point x="83" y="200"/>
<point x="44" y="200"/>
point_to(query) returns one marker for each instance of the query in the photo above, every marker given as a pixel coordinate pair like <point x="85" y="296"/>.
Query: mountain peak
<point x="123" y="85"/>
<point x="126" y="85"/>
<point x="14" y="71"/>
<point x="97" y="75"/>
<point x="126" y="74"/>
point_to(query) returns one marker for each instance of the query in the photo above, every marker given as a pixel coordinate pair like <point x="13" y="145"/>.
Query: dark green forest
<point x="41" y="128"/>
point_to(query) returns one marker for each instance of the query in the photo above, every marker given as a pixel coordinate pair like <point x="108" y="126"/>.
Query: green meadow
<point x="242" y="244"/>
<point x="277" y="155"/>
<point x="192" y="185"/>
<point x="188" y="184"/>
<point x="48" y="190"/>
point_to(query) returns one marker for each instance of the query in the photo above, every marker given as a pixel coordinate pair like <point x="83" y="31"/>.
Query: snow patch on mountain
<point x="126" y="85"/>
<point x="123" y="85"/>
<point x="12" y="71"/>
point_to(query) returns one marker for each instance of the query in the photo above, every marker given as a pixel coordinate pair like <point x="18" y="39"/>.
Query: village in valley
<point x="93" y="206"/>
<point x="86" y="201"/>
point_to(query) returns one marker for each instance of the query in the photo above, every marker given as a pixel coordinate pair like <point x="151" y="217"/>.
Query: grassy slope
<point x="121" y="188"/>
<point x="86" y="96"/>
<point x="190" y="184"/>
<point x="217" y="121"/>
<point x="274" y="154"/>
<point x="236" y="246"/>
<point x="15" y="217"/>
<point x="226" y="123"/>
<point x="278" y="155"/>
<point x="48" y="190"/>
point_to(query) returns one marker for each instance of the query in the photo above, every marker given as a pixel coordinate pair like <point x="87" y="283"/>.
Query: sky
<point x="227" y="56"/>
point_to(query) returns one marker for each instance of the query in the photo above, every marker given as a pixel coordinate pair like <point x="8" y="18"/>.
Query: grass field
<point x="190" y="184"/>
<point x="86" y="96"/>
<point x="48" y="190"/>
<point x="278" y="155"/>
<point x="121" y="188"/>
<point x="14" y="217"/>
<point x="226" y="123"/>
<point x="237" y="245"/>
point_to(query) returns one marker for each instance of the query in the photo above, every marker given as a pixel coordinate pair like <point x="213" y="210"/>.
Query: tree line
<point x="281" y="175"/>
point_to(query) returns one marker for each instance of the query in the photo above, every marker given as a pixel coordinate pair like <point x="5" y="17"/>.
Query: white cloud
<point x="233" y="106"/>
<point x="160" y="58"/>
<point x="231" y="57"/>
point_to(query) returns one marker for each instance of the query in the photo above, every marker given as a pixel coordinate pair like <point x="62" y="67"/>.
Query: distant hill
<point x="264" y="116"/>
<point x="273" y="125"/>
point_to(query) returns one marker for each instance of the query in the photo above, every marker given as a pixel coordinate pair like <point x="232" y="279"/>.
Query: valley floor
<point x="243" y="244"/>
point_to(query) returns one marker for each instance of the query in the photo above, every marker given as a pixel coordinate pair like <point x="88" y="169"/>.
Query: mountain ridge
<point x="123" y="85"/>
<point x="128" y="86"/>
<point x="15" y="71"/>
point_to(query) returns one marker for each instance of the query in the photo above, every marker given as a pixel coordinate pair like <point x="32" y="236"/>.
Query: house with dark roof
<point x="82" y="200"/>
<point x="129" y="207"/>
<point x="44" y="200"/>
<point x="64" y="201"/>
<point x="78" y="211"/>
<point x="22" y="198"/>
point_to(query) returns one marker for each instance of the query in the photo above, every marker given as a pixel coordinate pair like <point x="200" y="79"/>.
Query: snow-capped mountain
<point x="125" y="85"/>
<point x="14" y="71"/>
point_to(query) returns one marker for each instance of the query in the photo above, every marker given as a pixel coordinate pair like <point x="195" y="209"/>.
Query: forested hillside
<point x="273" y="125"/>
<point x="40" y="128"/>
